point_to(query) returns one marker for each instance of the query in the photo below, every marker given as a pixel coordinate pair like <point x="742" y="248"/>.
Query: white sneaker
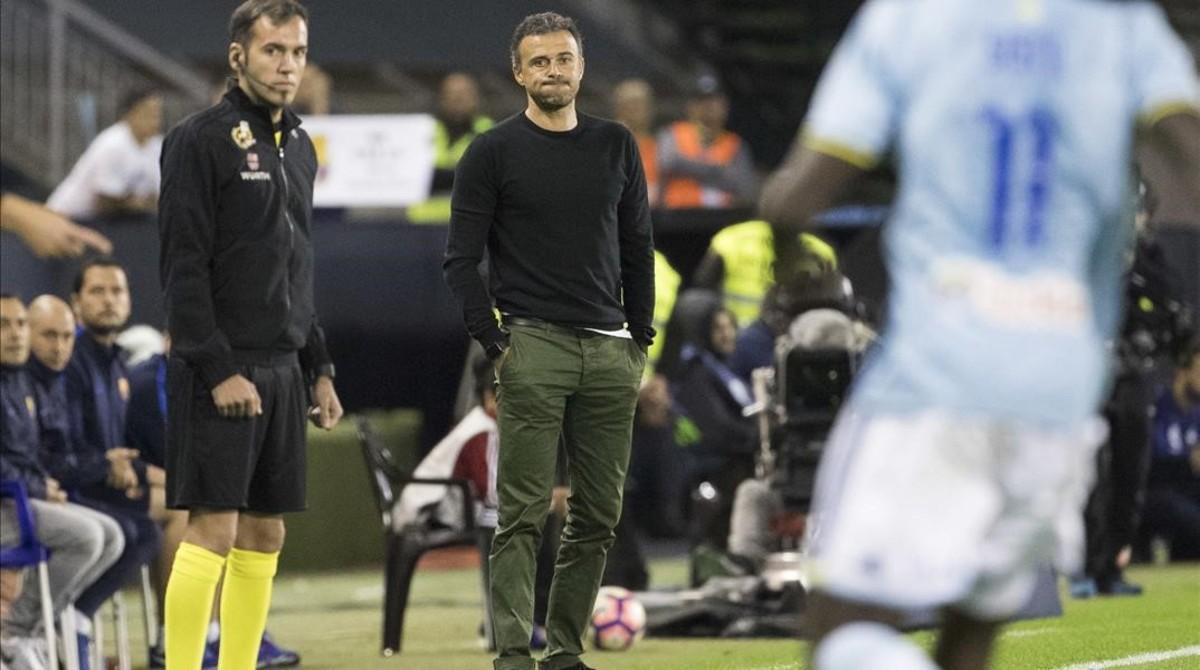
<point x="26" y="653"/>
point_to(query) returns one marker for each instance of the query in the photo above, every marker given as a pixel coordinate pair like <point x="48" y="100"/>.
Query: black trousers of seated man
<point x="1114" y="507"/>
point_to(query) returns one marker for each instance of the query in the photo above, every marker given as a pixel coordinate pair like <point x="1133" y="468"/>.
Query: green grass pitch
<point x="334" y="620"/>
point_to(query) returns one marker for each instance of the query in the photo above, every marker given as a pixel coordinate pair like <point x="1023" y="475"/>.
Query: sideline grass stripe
<point x="1139" y="659"/>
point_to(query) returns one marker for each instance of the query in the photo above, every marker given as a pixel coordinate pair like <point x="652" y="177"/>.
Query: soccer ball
<point x="618" y="620"/>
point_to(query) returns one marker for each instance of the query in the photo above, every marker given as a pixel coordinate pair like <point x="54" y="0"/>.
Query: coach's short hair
<point x="241" y="23"/>
<point x="97" y="262"/>
<point x="541" y="24"/>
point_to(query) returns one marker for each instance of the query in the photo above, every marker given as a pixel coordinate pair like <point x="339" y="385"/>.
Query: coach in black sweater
<point x="558" y="199"/>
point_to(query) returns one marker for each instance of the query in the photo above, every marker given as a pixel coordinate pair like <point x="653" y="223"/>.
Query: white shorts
<point x="932" y="509"/>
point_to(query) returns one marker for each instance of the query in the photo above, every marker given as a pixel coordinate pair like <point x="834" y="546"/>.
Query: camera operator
<point x="769" y="512"/>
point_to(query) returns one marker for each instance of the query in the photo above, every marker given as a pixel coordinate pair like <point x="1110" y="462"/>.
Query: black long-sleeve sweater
<point x="566" y="223"/>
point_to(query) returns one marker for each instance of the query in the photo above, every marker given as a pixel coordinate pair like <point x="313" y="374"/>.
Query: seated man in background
<point x="87" y="450"/>
<point x="118" y="173"/>
<point x="83" y="543"/>
<point x="53" y="341"/>
<point x="467" y="452"/>
<point x="1173" y="492"/>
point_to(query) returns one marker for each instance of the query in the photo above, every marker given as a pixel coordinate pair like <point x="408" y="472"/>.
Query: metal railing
<point x="64" y="70"/>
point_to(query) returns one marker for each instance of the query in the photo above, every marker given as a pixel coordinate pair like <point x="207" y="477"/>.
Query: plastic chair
<point x="31" y="552"/>
<point x="120" y="635"/>
<point x="403" y="548"/>
<point x="120" y="625"/>
<point x="149" y="609"/>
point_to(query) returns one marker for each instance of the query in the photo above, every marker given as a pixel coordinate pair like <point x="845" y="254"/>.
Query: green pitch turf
<point x="334" y="620"/>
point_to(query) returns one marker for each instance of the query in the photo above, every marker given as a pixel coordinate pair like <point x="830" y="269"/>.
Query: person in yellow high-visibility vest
<point x="666" y="289"/>
<point x="740" y="263"/>
<point x="458" y="123"/>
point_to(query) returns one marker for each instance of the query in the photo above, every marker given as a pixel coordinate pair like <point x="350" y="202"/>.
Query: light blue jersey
<point x="1012" y="123"/>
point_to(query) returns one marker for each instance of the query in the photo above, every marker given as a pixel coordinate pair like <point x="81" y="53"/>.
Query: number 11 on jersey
<point x="1037" y="126"/>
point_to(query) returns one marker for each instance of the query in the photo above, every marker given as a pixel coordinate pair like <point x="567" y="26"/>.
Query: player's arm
<point x="1166" y="92"/>
<point x="848" y="128"/>
<point x="636" y="239"/>
<point x="809" y="182"/>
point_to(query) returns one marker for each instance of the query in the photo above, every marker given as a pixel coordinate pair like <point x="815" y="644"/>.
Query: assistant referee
<point x="237" y="271"/>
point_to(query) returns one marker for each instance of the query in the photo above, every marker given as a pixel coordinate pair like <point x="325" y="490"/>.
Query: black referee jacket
<point x="236" y="259"/>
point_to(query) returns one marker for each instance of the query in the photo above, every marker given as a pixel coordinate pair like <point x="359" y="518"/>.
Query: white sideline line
<point x="1030" y="632"/>
<point x="1139" y="659"/>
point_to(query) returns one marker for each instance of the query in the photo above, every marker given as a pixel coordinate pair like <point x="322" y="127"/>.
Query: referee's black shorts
<point x="253" y="464"/>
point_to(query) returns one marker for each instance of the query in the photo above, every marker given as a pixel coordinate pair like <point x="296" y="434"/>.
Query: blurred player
<point x="964" y="454"/>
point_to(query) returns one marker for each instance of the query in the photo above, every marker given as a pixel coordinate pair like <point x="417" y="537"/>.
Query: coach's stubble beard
<point x="552" y="102"/>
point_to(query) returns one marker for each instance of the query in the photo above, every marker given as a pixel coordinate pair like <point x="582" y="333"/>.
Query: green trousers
<point x="554" y="381"/>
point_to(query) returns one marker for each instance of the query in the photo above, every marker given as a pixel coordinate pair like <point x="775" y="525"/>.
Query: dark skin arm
<point x="807" y="183"/>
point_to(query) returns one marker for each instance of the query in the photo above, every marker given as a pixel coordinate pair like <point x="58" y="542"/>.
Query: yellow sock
<point x="190" y="589"/>
<point x="244" y="604"/>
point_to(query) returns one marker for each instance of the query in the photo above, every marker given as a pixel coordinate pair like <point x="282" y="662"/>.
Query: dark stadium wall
<point x="426" y="33"/>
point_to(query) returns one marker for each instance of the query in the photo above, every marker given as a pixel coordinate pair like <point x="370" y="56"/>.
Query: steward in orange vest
<point x="700" y="163"/>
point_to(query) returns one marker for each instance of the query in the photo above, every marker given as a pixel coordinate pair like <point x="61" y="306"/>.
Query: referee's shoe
<point x="270" y="655"/>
